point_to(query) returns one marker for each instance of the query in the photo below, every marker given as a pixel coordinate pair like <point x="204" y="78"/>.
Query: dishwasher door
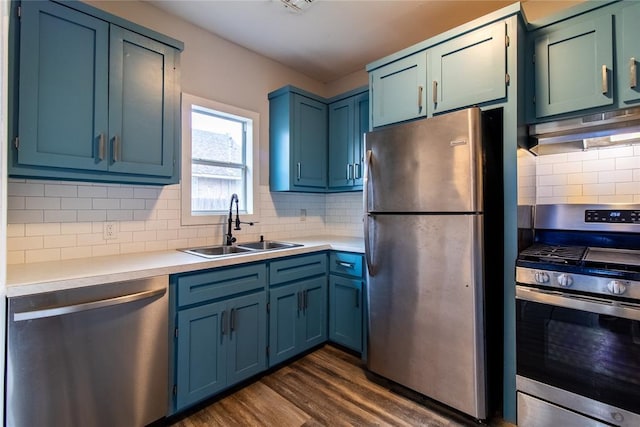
<point x="91" y="356"/>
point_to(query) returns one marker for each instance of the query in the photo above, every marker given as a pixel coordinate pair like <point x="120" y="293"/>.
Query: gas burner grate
<point x="553" y="253"/>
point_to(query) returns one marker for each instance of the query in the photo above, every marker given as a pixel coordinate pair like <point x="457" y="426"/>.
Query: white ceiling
<point x="332" y="38"/>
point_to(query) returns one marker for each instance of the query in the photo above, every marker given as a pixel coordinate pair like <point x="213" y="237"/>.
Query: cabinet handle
<point x="357" y="298"/>
<point x="232" y="320"/>
<point x="357" y="173"/>
<point x="348" y="171"/>
<point x="605" y="80"/>
<point x="299" y="301"/>
<point x="223" y="316"/>
<point x="116" y="149"/>
<point x="633" y="75"/>
<point x="434" y="90"/>
<point x="101" y="147"/>
<point x="305" y="300"/>
<point x="345" y="264"/>
<point x="299" y="171"/>
<point x="420" y="90"/>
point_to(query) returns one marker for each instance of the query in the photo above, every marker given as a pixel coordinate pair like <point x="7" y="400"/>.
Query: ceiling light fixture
<point x="297" y="5"/>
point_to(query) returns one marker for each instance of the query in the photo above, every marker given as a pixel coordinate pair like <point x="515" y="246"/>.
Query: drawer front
<point x="219" y="283"/>
<point x="290" y="269"/>
<point x="346" y="263"/>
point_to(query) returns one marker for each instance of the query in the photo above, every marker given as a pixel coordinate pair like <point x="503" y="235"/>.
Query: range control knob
<point x="565" y="280"/>
<point x="616" y="287"/>
<point x="541" y="277"/>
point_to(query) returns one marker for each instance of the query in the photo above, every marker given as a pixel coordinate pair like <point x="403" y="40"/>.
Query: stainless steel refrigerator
<point x="424" y="239"/>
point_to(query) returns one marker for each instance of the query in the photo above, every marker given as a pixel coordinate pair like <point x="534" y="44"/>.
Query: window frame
<point x="249" y="213"/>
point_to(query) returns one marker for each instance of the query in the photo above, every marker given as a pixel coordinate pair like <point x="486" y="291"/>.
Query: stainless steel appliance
<point x="425" y="228"/>
<point x="578" y="317"/>
<point x="92" y="356"/>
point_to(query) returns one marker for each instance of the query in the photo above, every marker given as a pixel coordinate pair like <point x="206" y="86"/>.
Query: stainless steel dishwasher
<point x="91" y="356"/>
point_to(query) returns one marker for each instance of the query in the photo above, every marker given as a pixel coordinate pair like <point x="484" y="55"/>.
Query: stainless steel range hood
<point x="620" y="127"/>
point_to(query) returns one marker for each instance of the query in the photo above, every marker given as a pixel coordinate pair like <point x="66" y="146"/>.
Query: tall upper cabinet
<point x="97" y="97"/>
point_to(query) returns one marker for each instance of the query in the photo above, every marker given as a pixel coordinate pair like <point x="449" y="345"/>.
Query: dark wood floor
<point x="325" y="388"/>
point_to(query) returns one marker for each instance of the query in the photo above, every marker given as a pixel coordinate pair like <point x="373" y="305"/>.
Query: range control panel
<point x="612" y="216"/>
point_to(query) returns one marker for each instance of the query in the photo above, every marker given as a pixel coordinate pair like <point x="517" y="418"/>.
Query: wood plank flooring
<point x="325" y="388"/>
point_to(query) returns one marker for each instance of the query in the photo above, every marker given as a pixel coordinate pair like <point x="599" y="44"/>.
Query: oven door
<point x="574" y="347"/>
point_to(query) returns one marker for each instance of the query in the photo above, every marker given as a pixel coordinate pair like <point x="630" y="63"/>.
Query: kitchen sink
<point x="216" y="251"/>
<point x="265" y="245"/>
<point x="223" y="250"/>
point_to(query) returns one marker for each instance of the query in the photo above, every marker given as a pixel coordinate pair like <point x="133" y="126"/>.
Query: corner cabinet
<point x="297" y="306"/>
<point x="96" y="101"/>
<point x="348" y="121"/>
<point x="469" y="70"/>
<point x="297" y="141"/>
<point x="574" y="65"/>
<point x="346" y="283"/>
<point x="628" y="54"/>
<point x="221" y="330"/>
<point x="399" y="90"/>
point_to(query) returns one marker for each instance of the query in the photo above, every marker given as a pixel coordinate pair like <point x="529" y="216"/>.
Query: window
<point x="219" y="146"/>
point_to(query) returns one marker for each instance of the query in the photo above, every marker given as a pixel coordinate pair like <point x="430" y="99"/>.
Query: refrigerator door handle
<point x="367" y="215"/>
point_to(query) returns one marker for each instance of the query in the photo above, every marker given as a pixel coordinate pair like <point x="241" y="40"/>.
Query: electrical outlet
<point x="303" y="214"/>
<point x="110" y="231"/>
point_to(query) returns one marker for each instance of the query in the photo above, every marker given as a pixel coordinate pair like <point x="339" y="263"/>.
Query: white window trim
<point x="252" y="158"/>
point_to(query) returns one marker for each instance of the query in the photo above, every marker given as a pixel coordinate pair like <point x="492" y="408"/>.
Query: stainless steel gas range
<point x="578" y="317"/>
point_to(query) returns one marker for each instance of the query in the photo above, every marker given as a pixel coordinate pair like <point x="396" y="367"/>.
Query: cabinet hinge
<point x="507" y="79"/>
<point x="175" y="390"/>
<point x="506" y="40"/>
<point x="19" y="11"/>
<point x="175" y="333"/>
<point x="16" y="143"/>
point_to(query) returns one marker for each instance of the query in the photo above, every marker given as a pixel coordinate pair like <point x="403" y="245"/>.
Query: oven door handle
<point x="621" y="309"/>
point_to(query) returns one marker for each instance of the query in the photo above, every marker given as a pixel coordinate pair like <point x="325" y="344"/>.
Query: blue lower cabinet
<point x="246" y="354"/>
<point x="345" y="312"/>
<point x="297" y="318"/>
<point x="201" y="357"/>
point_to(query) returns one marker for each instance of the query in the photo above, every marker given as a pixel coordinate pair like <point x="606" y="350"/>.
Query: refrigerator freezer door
<point x="430" y="165"/>
<point x="425" y="306"/>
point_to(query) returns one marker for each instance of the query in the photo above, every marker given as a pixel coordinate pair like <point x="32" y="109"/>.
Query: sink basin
<point x="266" y="245"/>
<point x="216" y="251"/>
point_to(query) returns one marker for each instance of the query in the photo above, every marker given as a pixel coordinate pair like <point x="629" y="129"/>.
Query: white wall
<point x="56" y="220"/>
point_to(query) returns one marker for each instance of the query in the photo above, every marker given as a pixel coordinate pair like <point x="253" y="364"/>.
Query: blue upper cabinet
<point x="96" y="101"/>
<point x="628" y="54"/>
<point x="141" y="104"/>
<point x="399" y="90"/>
<point x="348" y="121"/>
<point x="297" y="141"/>
<point x="574" y="65"/>
<point x="63" y="117"/>
<point x="468" y="70"/>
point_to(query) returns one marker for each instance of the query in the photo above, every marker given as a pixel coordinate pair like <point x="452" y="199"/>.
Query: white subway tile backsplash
<point x="16" y="230"/>
<point x="76" y="228"/>
<point x="16" y="202"/>
<point x="42" y="255"/>
<point x="25" y="243"/>
<point x="42" y="203"/>
<point x="92" y="191"/>
<point x="25" y="189"/>
<point x="92" y="215"/>
<point x="598" y="165"/>
<point x="105" y="204"/>
<point x="61" y="190"/>
<point x="133" y="204"/>
<point x="580" y="156"/>
<point x="615" y="198"/>
<point x="624" y="175"/>
<point x="66" y="241"/>
<point x="75" y="203"/>
<point x="616" y="152"/>
<point x="42" y="229"/>
<point x="628" y="162"/>
<point x="119" y="215"/>
<point x="629" y="188"/>
<point x="120" y="192"/>
<point x="61" y="216"/>
<point x="145" y="193"/>
<point x="582" y="178"/>
<point x="599" y="189"/>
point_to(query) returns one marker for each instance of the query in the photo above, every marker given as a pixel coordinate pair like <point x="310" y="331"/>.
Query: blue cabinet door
<point x="201" y="354"/>
<point x="574" y="65"/>
<point x="247" y="346"/>
<point x="629" y="54"/>
<point x="63" y="88"/>
<point x="398" y="90"/>
<point x="345" y="312"/>
<point x="468" y="70"/>
<point x="309" y="162"/>
<point x="361" y="127"/>
<point x="141" y="104"/>
<point x="284" y="314"/>
<point x="313" y="327"/>
<point x="341" y="133"/>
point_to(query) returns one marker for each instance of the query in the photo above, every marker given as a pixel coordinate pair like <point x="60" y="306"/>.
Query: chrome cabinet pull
<point x="434" y="95"/>
<point x="420" y="90"/>
<point x="305" y="300"/>
<point x="633" y="75"/>
<point x="116" y="149"/>
<point x="223" y="316"/>
<point x="101" y="147"/>
<point x="68" y="309"/>
<point x="356" y="169"/>
<point x="345" y="264"/>
<point x="232" y="320"/>
<point x="349" y="171"/>
<point x="299" y="301"/>
<point x="299" y="170"/>
<point x="605" y="80"/>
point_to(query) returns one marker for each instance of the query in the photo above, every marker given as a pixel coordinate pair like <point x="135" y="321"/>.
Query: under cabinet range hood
<point x="614" y="128"/>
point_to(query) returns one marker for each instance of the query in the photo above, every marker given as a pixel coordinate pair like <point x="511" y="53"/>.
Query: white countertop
<point x="27" y="279"/>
